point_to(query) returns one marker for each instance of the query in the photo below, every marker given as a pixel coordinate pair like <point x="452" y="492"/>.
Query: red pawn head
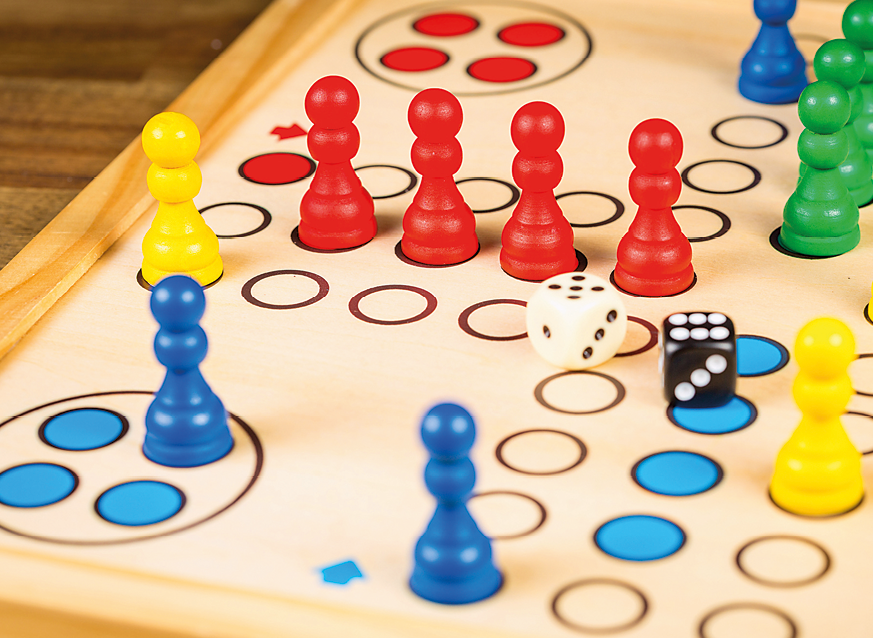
<point x="655" y="146"/>
<point x="332" y="102"/>
<point x="435" y="115"/>
<point x="537" y="129"/>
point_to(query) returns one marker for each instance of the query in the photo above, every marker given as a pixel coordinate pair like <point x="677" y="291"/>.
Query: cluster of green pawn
<point x="836" y="148"/>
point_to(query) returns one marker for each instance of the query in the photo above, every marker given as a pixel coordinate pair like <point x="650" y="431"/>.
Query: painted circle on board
<point x="639" y="538"/>
<point x="276" y="169"/>
<point x="36" y="484"/>
<point x="139" y="503"/>
<point x="759" y="356"/>
<point x="677" y="473"/>
<point x="83" y="429"/>
<point x="439" y="45"/>
<point x="735" y="415"/>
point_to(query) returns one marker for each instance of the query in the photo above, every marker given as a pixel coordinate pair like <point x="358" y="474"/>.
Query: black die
<point x="698" y="361"/>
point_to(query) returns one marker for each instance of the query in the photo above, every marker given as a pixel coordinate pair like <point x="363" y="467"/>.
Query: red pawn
<point x="654" y="257"/>
<point x="438" y="227"/>
<point x="336" y="211"/>
<point x="537" y="240"/>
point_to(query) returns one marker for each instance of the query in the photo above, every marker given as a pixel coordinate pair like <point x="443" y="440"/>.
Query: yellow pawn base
<point x="816" y="503"/>
<point x="204" y="276"/>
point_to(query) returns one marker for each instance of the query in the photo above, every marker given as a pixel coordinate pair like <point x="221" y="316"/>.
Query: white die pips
<point x="576" y="321"/>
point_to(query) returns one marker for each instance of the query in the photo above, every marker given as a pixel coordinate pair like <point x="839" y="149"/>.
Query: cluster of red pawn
<point x="654" y="257"/>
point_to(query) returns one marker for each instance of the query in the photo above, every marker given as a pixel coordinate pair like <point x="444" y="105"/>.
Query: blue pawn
<point x="773" y="71"/>
<point x="453" y="562"/>
<point x="186" y="424"/>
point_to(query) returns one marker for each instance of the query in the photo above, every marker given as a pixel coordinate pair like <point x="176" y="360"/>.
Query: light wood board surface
<point x="335" y="402"/>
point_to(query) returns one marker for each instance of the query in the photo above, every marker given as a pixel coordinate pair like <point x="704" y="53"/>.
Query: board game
<point x="327" y="361"/>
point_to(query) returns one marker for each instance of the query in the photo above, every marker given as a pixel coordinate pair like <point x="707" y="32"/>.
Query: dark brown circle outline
<point x="455" y="35"/>
<point x="869" y="416"/>
<point x="863" y="355"/>
<point x="540" y="506"/>
<point x="756" y="176"/>
<point x="259" y="464"/>
<point x="263" y="211"/>
<point x="783" y="351"/>
<point x="583" y="452"/>
<point x="295" y="239"/>
<point x="783" y="585"/>
<point x="514" y="193"/>
<point x="619" y="208"/>
<point x="633" y="294"/>
<point x="701" y="629"/>
<point x="419" y="8"/>
<point x="413" y="179"/>
<point x="782" y="127"/>
<point x="464" y="320"/>
<point x="530" y="46"/>
<point x="600" y="630"/>
<point x="651" y="343"/>
<point x="541" y="386"/>
<point x="725" y="222"/>
<point x="354" y="304"/>
<point x="398" y="252"/>
<point x="753" y="416"/>
<point x="867" y="314"/>
<point x="30" y="507"/>
<point x="532" y="73"/>
<point x="241" y="169"/>
<point x="581" y="265"/>
<point x="103" y="493"/>
<point x="776" y="244"/>
<point x="445" y="62"/>
<point x="718" y="479"/>
<point x="323" y="289"/>
<point x="125" y="426"/>
<point x="148" y="287"/>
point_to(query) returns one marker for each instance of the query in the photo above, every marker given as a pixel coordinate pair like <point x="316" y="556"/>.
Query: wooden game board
<point x="327" y="393"/>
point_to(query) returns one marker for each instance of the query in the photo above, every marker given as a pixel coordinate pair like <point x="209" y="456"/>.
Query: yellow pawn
<point x="179" y="241"/>
<point x="818" y="471"/>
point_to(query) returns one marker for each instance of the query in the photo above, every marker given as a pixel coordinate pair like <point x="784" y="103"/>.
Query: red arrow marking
<point x="286" y="132"/>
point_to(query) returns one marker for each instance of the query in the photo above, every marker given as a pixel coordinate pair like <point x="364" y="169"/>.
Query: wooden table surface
<point x="79" y="79"/>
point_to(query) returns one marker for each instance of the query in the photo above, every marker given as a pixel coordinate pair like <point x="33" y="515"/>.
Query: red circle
<point x="414" y="59"/>
<point x="445" y="25"/>
<point x="502" y="69"/>
<point x="277" y="168"/>
<point x="531" y="34"/>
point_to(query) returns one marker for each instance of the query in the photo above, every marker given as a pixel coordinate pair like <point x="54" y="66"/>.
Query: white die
<point x="576" y="321"/>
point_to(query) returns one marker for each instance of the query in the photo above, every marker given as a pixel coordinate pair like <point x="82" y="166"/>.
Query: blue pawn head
<point x="775" y="11"/>
<point x="178" y="303"/>
<point x="448" y="431"/>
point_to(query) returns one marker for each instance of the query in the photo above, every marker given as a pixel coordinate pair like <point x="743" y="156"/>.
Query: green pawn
<point x="858" y="29"/>
<point x="820" y="218"/>
<point x="842" y="62"/>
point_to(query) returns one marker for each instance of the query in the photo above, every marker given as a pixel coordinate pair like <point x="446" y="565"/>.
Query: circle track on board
<point x="537" y="45"/>
<point x="217" y="486"/>
<point x="783" y="131"/>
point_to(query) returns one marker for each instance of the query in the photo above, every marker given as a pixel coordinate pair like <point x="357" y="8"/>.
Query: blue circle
<point x="677" y="473"/>
<point x="639" y="538"/>
<point x="36" y="484"/>
<point x="757" y="356"/>
<point x="83" y="429"/>
<point x="736" y="414"/>
<point x="140" y="503"/>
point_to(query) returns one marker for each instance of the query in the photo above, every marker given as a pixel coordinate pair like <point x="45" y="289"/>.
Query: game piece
<point x="843" y="62"/>
<point x="186" y="423"/>
<point x="773" y="70"/>
<point x="821" y="218"/>
<point x="698" y="359"/>
<point x="337" y="211"/>
<point x="654" y="257"/>
<point x="576" y="321"/>
<point x="438" y="227"/>
<point x="179" y="241"/>
<point x="858" y="28"/>
<point x="818" y="471"/>
<point x="537" y="240"/>
<point x="453" y="563"/>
